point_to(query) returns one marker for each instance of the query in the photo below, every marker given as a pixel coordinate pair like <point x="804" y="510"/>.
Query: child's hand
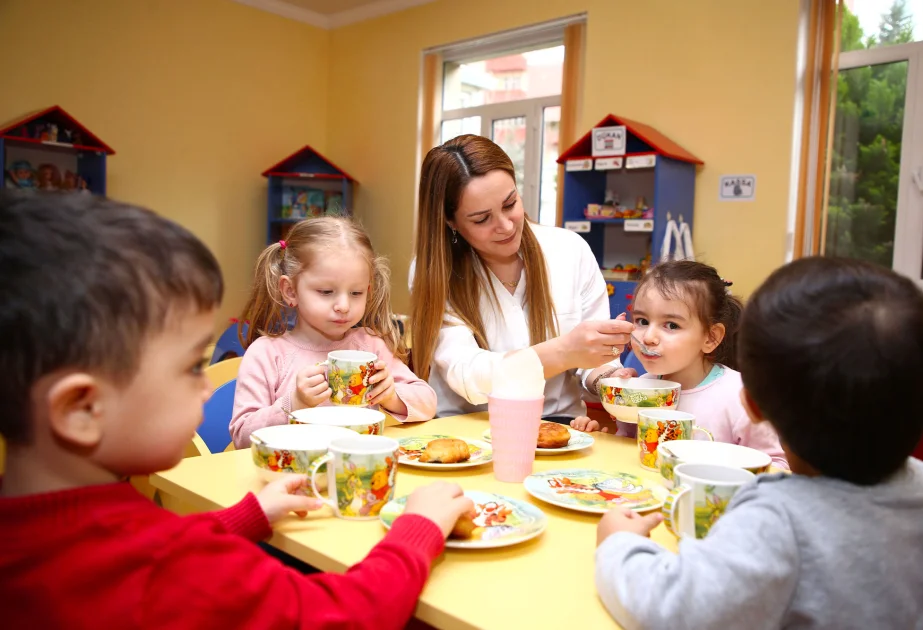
<point x="441" y="502"/>
<point x="382" y="392"/>
<point x="283" y="496"/>
<point x="582" y="423"/>
<point x="624" y="373"/>
<point x="624" y="520"/>
<point x="311" y="388"/>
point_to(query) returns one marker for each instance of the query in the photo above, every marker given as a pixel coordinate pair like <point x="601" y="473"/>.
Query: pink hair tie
<point x="283" y="244"/>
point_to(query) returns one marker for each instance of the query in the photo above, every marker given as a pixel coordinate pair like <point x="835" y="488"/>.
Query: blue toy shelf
<point x="51" y="150"/>
<point x="652" y="172"/>
<point x="304" y="185"/>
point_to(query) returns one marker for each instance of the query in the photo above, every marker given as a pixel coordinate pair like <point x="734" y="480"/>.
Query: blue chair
<point x="228" y="345"/>
<point x="213" y="435"/>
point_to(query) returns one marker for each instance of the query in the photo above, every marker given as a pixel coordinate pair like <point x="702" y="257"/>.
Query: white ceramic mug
<point x="348" y="373"/>
<point x="361" y="473"/>
<point x="700" y="496"/>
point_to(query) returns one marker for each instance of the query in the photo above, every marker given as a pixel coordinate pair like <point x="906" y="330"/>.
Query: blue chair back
<point x="228" y="345"/>
<point x="218" y="410"/>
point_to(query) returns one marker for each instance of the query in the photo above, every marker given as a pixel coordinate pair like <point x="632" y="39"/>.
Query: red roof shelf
<point x="70" y="133"/>
<point x="654" y="140"/>
<point x="307" y="163"/>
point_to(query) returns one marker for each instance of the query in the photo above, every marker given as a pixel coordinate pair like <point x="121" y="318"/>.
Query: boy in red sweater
<point x="106" y="311"/>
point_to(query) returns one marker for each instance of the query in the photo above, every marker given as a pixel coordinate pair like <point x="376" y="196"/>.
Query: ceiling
<point x="331" y="14"/>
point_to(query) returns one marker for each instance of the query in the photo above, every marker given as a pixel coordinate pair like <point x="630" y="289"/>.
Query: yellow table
<point x="543" y="583"/>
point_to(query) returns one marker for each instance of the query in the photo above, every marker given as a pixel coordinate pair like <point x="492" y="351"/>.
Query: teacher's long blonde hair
<point x="452" y="274"/>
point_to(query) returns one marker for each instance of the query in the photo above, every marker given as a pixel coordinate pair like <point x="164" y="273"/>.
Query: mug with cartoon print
<point x="361" y="475"/>
<point x="663" y="425"/>
<point x="700" y="497"/>
<point x="348" y="373"/>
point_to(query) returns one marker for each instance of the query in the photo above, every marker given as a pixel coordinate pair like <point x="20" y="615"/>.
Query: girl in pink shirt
<point x="687" y="318"/>
<point x="328" y="274"/>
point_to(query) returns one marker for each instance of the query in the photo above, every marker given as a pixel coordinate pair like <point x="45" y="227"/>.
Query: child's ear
<point x="715" y="337"/>
<point x="287" y="287"/>
<point x="75" y="409"/>
<point x="756" y="416"/>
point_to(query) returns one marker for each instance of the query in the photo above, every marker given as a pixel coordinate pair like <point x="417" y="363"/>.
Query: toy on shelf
<point x="20" y="175"/>
<point x="304" y="185"/>
<point x="58" y="143"/>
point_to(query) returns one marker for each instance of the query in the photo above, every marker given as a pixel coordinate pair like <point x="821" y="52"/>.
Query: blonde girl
<point x="327" y="274"/>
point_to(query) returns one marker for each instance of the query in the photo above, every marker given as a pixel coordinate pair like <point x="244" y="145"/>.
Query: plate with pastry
<point x="497" y="521"/>
<point x="594" y="491"/>
<point x="443" y="452"/>
<point x="554" y="439"/>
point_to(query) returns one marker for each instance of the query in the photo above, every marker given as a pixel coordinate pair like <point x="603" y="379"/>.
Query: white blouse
<point x="462" y="373"/>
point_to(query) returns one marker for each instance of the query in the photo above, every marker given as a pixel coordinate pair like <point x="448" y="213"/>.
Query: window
<point x="514" y="98"/>
<point x="875" y="204"/>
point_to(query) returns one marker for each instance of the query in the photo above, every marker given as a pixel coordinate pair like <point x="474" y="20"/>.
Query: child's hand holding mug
<point x="311" y="388"/>
<point x="382" y="384"/>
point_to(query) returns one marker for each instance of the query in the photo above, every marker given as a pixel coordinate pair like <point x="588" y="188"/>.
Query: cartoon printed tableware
<point x="671" y="454"/>
<point x="359" y="419"/>
<point x="578" y="441"/>
<point x="291" y="448"/>
<point x="501" y="521"/>
<point x="348" y="373"/>
<point x="361" y="473"/>
<point x="623" y="397"/>
<point x="594" y="491"/>
<point x="663" y="425"/>
<point x="700" y="497"/>
<point x="412" y="447"/>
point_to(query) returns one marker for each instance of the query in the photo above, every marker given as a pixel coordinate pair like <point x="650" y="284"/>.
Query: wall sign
<point x="737" y="188"/>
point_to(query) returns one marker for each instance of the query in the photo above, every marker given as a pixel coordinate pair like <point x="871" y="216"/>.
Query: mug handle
<point x="320" y="461"/>
<point x="670" y="505"/>
<point x="711" y="438"/>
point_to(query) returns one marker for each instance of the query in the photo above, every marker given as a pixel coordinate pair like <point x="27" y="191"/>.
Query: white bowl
<point x="291" y="448"/>
<point x="624" y="397"/>
<point x="359" y="419"/>
<point x="675" y="452"/>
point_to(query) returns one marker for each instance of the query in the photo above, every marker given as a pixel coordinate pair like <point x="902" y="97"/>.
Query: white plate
<point x="594" y="491"/>
<point x="503" y="521"/>
<point x="578" y="441"/>
<point x="481" y="452"/>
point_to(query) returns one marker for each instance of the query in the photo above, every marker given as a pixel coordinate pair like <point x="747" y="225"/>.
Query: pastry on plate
<point x="445" y="451"/>
<point x="465" y="526"/>
<point x="552" y="435"/>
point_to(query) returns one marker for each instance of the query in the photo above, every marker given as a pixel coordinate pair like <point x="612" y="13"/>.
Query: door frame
<point x="908" y="224"/>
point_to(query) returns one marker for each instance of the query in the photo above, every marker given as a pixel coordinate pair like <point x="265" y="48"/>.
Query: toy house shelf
<point x="51" y="150"/>
<point x="305" y="185"/>
<point x="652" y="178"/>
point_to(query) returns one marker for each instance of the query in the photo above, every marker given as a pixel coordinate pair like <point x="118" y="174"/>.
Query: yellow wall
<point x="197" y="97"/>
<point x="718" y="76"/>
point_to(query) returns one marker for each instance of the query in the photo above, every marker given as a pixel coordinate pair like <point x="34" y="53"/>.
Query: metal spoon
<point x="644" y="348"/>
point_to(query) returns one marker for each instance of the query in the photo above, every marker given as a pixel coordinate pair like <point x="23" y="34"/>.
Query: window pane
<point x="459" y="126"/>
<point x="870" y="23"/>
<point x="502" y="79"/>
<point x="510" y="135"/>
<point x="866" y="162"/>
<point x="548" y="194"/>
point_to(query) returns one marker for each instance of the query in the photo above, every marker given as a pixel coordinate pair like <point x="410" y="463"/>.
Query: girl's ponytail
<point x="265" y="310"/>
<point x="378" y="316"/>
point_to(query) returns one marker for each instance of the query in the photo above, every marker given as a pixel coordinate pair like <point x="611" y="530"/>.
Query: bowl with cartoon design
<point x="291" y="448"/>
<point x="623" y="397"/>
<point x="675" y="452"/>
<point x="362" y="420"/>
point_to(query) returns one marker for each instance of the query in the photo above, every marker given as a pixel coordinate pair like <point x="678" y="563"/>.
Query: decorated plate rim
<point x="659" y="492"/>
<point x="506" y="541"/>
<point x="487" y="453"/>
<point x="588" y="441"/>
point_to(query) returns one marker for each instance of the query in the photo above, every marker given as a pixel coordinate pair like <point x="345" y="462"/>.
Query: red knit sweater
<point x="106" y="557"/>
